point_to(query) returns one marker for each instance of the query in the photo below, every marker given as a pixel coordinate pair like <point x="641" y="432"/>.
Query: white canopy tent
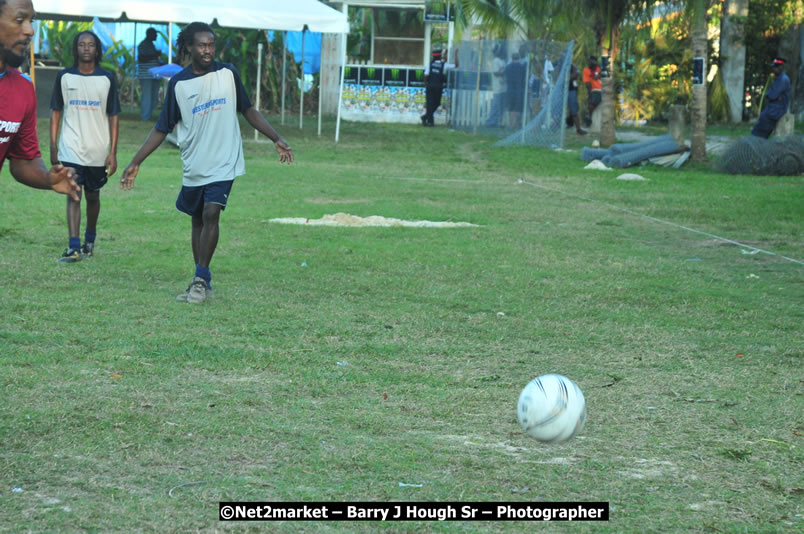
<point x="282" y="15"/>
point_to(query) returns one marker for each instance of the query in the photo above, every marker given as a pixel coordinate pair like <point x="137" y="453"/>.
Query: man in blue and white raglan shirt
<point x="202" y="102"/>
<point x="86" y="105"/>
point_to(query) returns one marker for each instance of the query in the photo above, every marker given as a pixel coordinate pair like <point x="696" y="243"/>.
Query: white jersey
<point x="86" y="102"/>
<point x="203" y="109"/>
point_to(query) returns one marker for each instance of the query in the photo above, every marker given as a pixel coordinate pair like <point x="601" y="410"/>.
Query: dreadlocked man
<point x="85" y="104"/>
<point x="202" y="102"/>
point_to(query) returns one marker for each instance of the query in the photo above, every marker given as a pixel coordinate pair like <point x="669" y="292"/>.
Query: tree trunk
<point x="699" y="46"/>
<point x="732" y="55"/>
<point x="608" y="134"/>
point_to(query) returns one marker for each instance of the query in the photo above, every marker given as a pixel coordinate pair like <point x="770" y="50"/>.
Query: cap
<point x="777" y="61"/>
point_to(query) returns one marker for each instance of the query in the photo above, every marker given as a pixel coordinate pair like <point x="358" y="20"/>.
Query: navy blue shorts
<point x="192" y="199"/>
<point x="90" y="178"/>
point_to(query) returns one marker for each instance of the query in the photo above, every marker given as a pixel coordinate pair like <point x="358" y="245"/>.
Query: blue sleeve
<point x="243" y="102"/>
<point x="113" y="100"/>
<point x="779" y="86"/>
<point x="57" y="99"/>
<point x="171" y="114"/>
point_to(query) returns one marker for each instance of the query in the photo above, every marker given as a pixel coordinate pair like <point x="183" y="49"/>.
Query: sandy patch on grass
<point x="345" y="219"/>
<point x="336" y="201"/>
<point x="650" y="469"/>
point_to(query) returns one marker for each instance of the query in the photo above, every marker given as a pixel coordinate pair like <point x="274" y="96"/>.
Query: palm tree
<point x="699" y="49"/>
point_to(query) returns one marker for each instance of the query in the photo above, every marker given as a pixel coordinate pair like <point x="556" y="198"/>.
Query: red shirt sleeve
<point x="25" y="144"/>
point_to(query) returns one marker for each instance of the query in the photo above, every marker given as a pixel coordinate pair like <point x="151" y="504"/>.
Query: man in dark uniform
<point x="435" y="76"/>
<point x="778" y="97"/>
<point x="148" y="57"/>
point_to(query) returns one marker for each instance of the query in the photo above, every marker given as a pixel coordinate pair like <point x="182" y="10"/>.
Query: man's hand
<point x="62" y="180"/>
<point x="285" y="153"/>
<point x="111" y="165"/>
<point x="130" y="172"/>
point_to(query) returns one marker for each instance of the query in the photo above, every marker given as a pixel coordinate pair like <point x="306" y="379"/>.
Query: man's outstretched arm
<point x="258" y="122"/>
<point x="33" y="173"/>
<point x="153" y="141"/>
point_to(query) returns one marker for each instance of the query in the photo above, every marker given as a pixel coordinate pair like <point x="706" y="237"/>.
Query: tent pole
<point x="345" y="11"/>
<point x="32" y="68"/>
<point x="301" y="97"/>
<point x="477" y="85"/>
<point x="343" y="72"/>
<point x="320" y="88"/>
<point x="170" y="42"/>
<point x="525" y="100"/>
<point x="284" y="65"/>
<point x="259" y="80"/>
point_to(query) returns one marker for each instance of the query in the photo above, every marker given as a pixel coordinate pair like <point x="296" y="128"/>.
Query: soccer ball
<point x="551" y="408"/>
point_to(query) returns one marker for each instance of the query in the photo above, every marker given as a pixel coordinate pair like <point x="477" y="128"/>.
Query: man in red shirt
<point x="18" y="140"/>
<point x="591" y="77"/>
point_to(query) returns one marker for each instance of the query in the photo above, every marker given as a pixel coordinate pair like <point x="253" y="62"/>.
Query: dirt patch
<point x="468" y="152"/>
<point x="345" y="219"/>
<point x="335" y="201"/>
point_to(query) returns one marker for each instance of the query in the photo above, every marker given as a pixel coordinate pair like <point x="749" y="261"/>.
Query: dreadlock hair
<point x="187" y="36"/>
<point x="98" y="47"/>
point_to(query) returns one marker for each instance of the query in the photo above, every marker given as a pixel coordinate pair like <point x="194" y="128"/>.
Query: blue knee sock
<point x="75" y="242"/>
<point x="89" y="236"/>
<point x="203" y="272"/>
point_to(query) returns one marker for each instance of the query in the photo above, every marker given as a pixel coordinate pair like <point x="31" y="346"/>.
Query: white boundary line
<point x="654" y="219"/>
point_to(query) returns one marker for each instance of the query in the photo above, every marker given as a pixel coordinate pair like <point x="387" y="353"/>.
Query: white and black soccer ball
<point x="551" y="408"/>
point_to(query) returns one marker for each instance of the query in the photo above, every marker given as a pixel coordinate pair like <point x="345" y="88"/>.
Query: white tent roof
<point x="283" y="15"/>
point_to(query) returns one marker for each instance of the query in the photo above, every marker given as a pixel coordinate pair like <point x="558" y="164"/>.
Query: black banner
<point x="350" y="75"/>
<point x="371" y="75"/>
<point x="413" y="511"/>
<point x="395" y="77"/>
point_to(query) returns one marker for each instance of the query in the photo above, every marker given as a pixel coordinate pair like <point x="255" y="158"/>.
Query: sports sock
<point x="89" y="236"/>
<point x="203" y="272"/>
<point x="75" y="242"/>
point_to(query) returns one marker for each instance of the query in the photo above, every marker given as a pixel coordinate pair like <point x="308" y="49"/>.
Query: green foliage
<point x="119" y="59"/>
<point x="718" y="99"/>
<point x="358" y="42"/>
<point x="658" y="62"/>
<point x="60" y="36"/>
<point x="767" y="23"/>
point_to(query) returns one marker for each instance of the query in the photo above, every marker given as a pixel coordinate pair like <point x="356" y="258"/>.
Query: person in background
<point x="497" y="87"/>
<point x="148" y="57"/>
<point x="515" y="73"/>
<point x="594" y="87"/>
<point x="435" y="77"/>
<point x="18" y="140"/>
<point x="86" y="105"/>
<point x="573" y="116"/>
<point x="778" y="97"/>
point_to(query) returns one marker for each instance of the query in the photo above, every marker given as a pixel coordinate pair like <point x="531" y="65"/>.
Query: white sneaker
<point x="197" y="292"/>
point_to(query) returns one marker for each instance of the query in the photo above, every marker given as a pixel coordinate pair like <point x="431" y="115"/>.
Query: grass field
<point x="396" y="355"/>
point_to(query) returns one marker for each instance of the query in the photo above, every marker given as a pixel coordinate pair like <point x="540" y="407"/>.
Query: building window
<point x="386" y="36"/>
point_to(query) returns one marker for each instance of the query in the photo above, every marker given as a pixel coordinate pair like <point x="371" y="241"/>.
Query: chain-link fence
<point x="516" y="90"/>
